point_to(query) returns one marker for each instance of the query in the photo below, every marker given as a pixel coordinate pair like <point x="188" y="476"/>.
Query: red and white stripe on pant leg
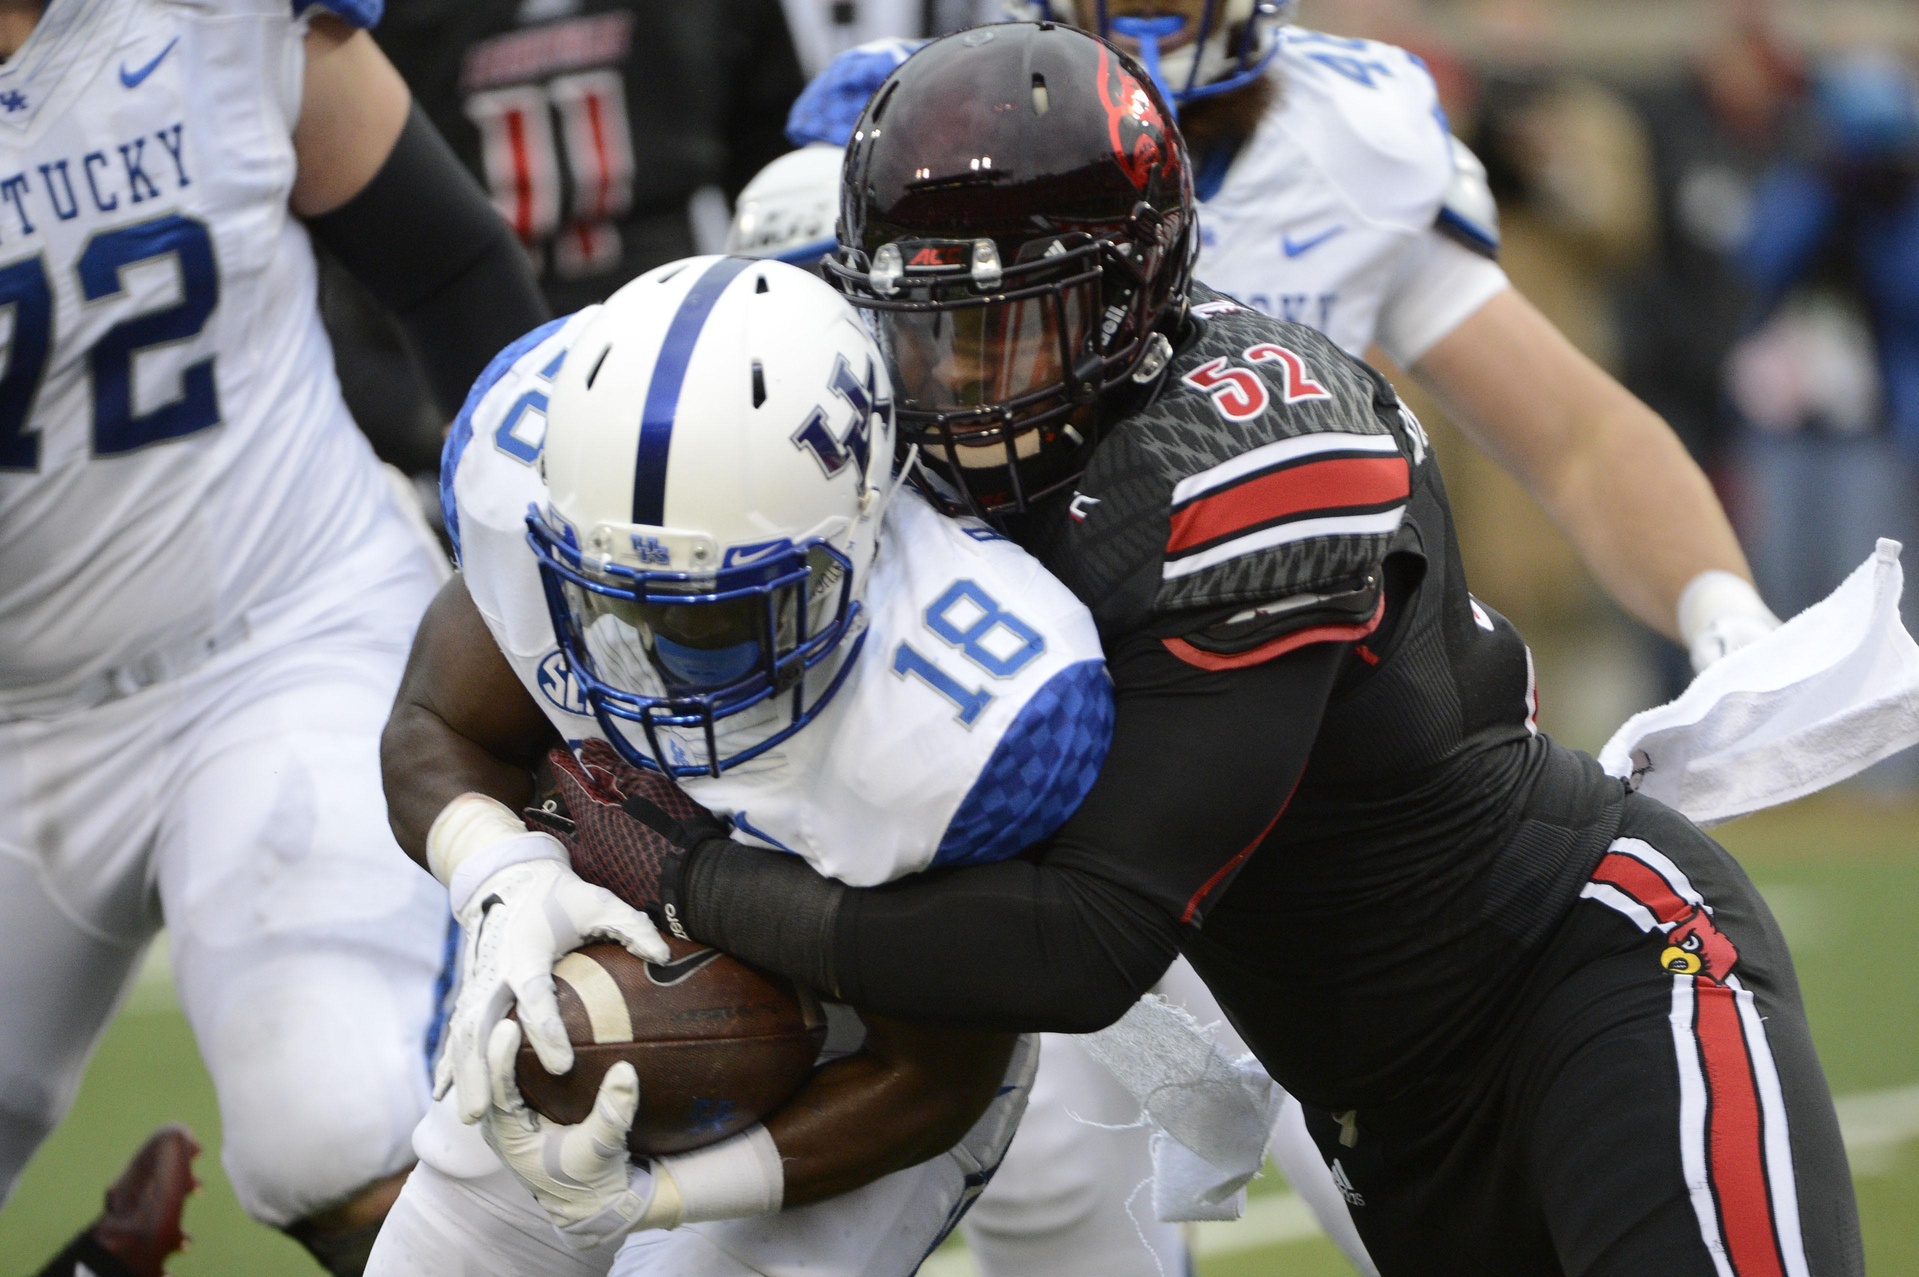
<point x="1733" y="1139"/>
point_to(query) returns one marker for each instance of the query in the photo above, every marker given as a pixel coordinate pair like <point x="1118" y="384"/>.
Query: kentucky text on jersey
<point x="106" y="180"/>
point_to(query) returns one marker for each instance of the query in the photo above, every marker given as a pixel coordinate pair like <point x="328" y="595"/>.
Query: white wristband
<point x="474" y="837"/>
<point x="1714" y="594"/>
<point x="734" y="1179"/>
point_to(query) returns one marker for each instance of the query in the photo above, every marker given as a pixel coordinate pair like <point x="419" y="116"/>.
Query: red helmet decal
<point x="1133" y="121"/>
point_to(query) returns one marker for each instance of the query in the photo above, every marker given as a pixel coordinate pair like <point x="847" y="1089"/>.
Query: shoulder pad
<point x="828" y="108"/>
<point x="482" y="410"/>
<point x="1369" y="116"/>
<point x="1468" y="212"/>
<point x="364" y="14"/>
<point x="1270" y="466"/>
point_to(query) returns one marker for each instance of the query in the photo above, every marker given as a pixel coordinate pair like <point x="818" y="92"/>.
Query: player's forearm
<point x="1012" y="947"/>
<point x="1643" y="515"/>
<point x="911" y="1094"/>
<point x="426" y="765"/>
<point x="461" y="724"/>
<point x="1604" y="466"/>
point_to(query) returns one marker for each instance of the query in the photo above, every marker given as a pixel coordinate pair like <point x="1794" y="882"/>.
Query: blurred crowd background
<point x="1718" y="200"/>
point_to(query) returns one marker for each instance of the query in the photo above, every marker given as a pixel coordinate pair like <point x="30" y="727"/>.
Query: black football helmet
<point x="1017" y="217"/>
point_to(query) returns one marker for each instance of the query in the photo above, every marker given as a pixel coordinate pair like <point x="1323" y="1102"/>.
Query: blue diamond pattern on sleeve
<point x="461" y="432"/>
<point x="1041" y="771"/>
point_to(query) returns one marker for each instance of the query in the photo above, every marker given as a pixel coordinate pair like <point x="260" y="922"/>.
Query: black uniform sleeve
<point x="1068" y="936"/>
<point x="427" y="244"/>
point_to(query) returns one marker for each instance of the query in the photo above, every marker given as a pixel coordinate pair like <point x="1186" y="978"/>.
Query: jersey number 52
<point x="993" y="639"/>
<point x="27" y="292"/>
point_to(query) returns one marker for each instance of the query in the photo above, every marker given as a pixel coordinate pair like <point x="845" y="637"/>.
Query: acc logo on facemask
<point x="559" y="686"/>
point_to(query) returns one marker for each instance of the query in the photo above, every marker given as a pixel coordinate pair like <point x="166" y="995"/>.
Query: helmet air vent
<point x="759" y="381"/>
<point x="594" y="371"/>
<point x="761" y="286"/>
<point x="1042" y="100"/>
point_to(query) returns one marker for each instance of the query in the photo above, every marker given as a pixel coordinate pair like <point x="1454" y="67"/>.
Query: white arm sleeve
<point x="1439" y="285"/>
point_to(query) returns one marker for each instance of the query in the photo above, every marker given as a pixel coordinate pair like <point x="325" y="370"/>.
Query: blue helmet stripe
<point x="663" y="394"/>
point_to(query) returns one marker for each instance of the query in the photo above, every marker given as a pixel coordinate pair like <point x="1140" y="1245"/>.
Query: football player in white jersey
<point x="1332" y="194"/>
<point x="206" y="586"/>
<point x="685" y="548"/>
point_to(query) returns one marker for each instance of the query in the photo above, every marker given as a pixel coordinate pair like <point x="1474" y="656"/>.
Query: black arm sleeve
<point x="425" y="241"/>
<point x="1066" y="937"/>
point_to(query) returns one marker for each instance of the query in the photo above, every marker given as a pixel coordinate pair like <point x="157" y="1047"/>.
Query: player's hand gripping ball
<point x="716" y="1044"/>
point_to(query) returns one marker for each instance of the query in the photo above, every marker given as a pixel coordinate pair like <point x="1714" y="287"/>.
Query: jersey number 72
<point x="27" y="292"/>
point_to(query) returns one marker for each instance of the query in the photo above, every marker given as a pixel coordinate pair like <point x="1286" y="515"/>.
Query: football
<point x="717" y="1044"/>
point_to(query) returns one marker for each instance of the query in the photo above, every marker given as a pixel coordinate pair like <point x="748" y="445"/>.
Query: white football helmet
<point x="1235" y="40"/>
<point x="719" y="452"/>
<point x="789" y="209"/>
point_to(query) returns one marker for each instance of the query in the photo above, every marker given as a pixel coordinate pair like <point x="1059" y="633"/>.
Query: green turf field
<point x="1842" y="874"/>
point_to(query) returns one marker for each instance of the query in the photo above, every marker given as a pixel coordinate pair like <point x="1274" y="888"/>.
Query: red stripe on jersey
<point x="1206" y="888"/>
<point x="516" y="141"/>
<point x="1735" y="1145"/>
<point x="1278" y="647"/>
<point x="1643" y="883"/>
<point x="1333" y="484"/>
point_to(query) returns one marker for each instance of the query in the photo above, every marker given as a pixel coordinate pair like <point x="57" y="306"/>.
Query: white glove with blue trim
<point x="521" y="908"/>
<point x="580" y="1175"/>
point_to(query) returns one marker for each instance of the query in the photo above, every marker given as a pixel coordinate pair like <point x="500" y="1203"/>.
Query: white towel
<point x="1214" y="1112"/>
<point x="1823" y="697"/>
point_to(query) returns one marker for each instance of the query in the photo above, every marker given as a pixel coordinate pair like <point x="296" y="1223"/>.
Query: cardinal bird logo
<point x="1133" y="122"/>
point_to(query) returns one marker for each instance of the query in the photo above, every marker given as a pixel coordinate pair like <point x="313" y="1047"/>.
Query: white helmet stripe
<point x="663" y="392"/>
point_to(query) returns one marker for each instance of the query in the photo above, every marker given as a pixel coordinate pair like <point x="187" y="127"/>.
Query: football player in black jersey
<point x="1540" y="1024"/>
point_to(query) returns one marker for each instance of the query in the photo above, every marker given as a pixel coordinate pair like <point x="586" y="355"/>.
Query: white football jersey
<point x="174" y="450"/>
<point x="1327" y="212"/>
<point x="972" y="720"/>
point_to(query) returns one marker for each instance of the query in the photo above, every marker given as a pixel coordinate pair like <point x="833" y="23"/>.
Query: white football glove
<point x="580" y="1175"/>
<point x="517" y="922"/>
<point x="1719" y="613"/>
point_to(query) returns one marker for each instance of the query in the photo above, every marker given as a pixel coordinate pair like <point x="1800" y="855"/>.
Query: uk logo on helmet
<point x="817" y="437"/>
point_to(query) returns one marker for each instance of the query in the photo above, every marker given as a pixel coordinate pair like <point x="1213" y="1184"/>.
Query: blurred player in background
<point x="824" y="29"/>
<point x="209" y="587"/>
<point x="709" y="463"/>
<point x="1329" y="196"/>
<point x="611" y="134"/>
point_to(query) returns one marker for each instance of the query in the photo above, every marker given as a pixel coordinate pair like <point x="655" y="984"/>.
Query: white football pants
<point x="462" y="1214"/>
<point x="1074" y="1196"/>
<point x="240" y="805"/>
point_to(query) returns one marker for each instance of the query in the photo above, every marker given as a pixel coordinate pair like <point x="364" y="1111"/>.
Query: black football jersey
<point x="1271" y="492"/>
<point x="592" y="122"/>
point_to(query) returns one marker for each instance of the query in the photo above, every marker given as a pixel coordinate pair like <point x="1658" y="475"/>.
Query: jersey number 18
<point x="968" y="618"/>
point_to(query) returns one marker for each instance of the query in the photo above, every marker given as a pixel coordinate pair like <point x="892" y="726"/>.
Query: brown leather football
<point x="717" y="1044"/>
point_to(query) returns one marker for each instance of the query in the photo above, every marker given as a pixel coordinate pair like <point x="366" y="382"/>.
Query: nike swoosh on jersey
<point x="1295" y="248"/>
<point x="133" y="79"/>
<point x="666" y="974"/>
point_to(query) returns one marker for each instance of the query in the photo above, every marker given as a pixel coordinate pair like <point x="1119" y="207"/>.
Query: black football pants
<point x="1652" y="1108"/>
